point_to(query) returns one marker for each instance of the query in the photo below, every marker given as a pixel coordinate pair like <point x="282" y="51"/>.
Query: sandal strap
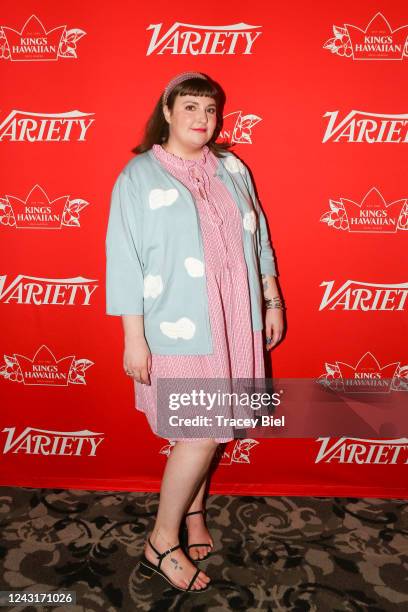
<point x="196" y="512"/>
<point x="163" y="554"/>
<point x="193" y="578"/>
<point x="206" y="544"/>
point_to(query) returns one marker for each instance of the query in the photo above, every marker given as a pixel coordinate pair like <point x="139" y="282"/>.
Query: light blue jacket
<point x="155" y="258"/>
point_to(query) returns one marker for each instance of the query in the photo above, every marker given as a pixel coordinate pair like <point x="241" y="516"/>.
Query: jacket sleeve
<point x="123" y="247"/>
<point x="265" y="253"/>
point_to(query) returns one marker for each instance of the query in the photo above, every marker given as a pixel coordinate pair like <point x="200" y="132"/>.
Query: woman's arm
<point x="274" y="323"/>
<point x="133" y="327"/>
<point x="124" y="275"/>
<point x="123" y="244"/>
<point x="270" y="288"/>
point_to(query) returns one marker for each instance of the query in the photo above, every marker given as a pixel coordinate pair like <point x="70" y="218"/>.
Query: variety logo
<point x="38" y="291"/>
<point x="360" y="451"/>
<point x="373" y="215"/>
<point x="359" y="126"/>
<point x="22" y="126"/>
<point x="356" y="295"/>
<point x="45" y="369"/>
<point x="37" y="211"/>
<point x="34" y="43"/>
<point x="239" y="453"/>
<point x="34" y="441"/>
<point x="377" y="42"/>
<point x="237" y="127"/>
<point x="366" y="376"/>
<point x="188" y="39"/>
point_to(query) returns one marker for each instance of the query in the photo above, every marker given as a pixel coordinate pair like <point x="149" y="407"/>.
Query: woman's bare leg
<point x="185" y="469"/>
<point x="197" y="530"/>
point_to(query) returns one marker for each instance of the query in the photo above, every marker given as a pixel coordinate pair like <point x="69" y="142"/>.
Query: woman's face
<point x="192" y="120"/>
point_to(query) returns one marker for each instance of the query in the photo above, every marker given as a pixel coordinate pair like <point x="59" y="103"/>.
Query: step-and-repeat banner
<point x="317" y="108"/>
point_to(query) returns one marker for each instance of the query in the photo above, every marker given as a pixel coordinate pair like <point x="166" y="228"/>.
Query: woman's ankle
<point x="196" y="510"/>
<point x="164" y="538"/>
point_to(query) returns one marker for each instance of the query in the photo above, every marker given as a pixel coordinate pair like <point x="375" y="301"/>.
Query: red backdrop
<point x="73" y="105"/>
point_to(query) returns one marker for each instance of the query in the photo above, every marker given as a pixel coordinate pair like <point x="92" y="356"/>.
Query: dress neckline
<point x="180" y="162"/>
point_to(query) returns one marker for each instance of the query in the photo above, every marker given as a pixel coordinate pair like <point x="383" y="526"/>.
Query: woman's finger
<point x="144" y="375"/>
<point x="134" y="373"/>
<point x="276" y="338"/>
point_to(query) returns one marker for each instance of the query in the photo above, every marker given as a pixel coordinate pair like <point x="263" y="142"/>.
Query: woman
<point x="186" y="247"/>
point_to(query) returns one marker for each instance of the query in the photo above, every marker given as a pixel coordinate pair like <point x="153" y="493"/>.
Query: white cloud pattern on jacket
<point x="194" y="266"/>
<point x="162" y="197"/>
<point x="250" y="222"/>
<point x="182" y="328"/>
<point x="233" y="164"/>
<point x="153" y="286"/>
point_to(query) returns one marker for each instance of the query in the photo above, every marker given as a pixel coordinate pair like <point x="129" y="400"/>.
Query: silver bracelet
<point x="275" y="302"/>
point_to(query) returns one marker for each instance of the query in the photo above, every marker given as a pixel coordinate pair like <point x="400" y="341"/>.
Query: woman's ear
<point x="166" y="113"/>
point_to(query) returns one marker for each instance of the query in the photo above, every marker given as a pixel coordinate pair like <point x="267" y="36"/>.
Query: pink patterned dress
<point x="238" y="350"/>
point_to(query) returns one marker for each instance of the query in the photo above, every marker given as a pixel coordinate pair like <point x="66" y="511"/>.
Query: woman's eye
<point x="211" y="110"/>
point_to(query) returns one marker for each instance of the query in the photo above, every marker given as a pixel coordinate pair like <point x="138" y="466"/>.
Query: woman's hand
<point x="273" y="326"/>
<point x="137" y="360"/>
<point x="274" y="323"/>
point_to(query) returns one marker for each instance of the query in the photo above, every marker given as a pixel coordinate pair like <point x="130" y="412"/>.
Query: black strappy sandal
<point x="193" y="545"/>
<point x="146" y="569"/>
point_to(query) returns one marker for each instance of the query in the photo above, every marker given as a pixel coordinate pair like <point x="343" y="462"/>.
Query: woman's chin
<point x="202" y="136"/>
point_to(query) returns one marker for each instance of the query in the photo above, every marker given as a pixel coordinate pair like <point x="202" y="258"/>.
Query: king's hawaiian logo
<point x="363" y="451"/>
<point x="372" y="215"/>
<point x="190" y="39"/>
<point x="367" y="376"/>
<point x="361" y="126"/>
<point x="35" y="441"/>
<point x="34" y="43"/>
<point x="39" y="291"/>
<point x="24" y="126"/>
<point x="37" y="211"/>
<point x="237" y="127"/>
<point x="359" y="295"/>
<point x="45" y="369"/>
<point x="238" y="454"/>
<point x="378" y="41"/>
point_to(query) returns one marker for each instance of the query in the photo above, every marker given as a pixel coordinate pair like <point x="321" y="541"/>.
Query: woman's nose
<point x="202" y="116"/>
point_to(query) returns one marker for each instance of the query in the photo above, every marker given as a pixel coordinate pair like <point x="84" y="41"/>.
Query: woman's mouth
<point x="199" y="129"/>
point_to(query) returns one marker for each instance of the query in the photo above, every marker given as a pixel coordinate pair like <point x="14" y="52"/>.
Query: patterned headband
<point x="183" y="76"/>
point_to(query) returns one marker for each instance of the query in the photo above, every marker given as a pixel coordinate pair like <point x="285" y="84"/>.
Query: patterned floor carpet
<point x="272" y="553"/>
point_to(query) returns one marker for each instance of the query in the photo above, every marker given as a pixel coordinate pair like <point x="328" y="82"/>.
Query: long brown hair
<point x="157" y="128"/>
